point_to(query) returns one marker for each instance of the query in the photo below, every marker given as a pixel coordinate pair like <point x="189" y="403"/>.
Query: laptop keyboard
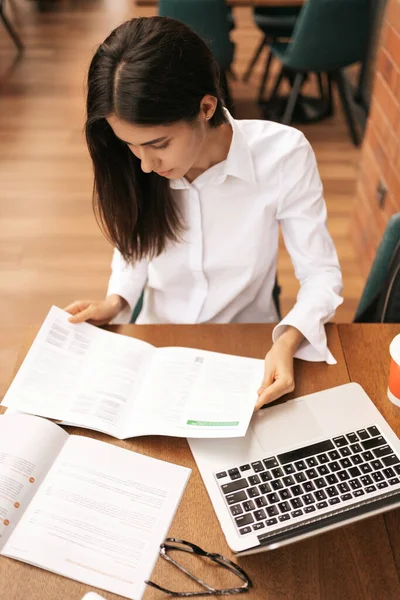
<point x="304" y="482"/>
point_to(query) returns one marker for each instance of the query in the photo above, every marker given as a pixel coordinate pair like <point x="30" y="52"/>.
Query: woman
<point x="192" y="200"/>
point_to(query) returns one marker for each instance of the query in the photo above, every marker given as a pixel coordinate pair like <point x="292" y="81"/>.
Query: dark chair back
<point x="277" y="11"/>
<point x="209" y="19"/>
<point x="329" y="35"/>
<point x="380" y="300"/>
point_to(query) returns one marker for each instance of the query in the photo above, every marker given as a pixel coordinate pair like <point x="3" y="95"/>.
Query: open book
<point x="90" y="377"/>
<point x="81" y="508"/>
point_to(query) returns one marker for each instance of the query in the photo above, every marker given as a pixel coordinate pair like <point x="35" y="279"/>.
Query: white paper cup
<point x="393" y="391"/>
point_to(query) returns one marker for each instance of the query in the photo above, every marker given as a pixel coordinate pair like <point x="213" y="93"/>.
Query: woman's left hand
<point x="278" y="371"/>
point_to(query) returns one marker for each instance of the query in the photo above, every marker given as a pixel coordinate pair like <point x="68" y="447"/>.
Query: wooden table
<point x="370" y="368"/>
<point x="359" y="561"/>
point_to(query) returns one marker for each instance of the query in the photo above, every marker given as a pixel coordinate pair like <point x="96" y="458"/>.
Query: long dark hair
<point x="149" y="71"/>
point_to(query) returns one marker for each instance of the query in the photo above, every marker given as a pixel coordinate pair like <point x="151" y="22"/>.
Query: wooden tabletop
<point x="366" y="349"/>
<point x="359" y="561"/>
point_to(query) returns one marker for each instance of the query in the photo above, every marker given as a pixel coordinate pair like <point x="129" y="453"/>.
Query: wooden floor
<point x="51" y="251"/>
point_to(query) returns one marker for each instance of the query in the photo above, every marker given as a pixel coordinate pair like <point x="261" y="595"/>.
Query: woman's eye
<point x="165" y="145"/>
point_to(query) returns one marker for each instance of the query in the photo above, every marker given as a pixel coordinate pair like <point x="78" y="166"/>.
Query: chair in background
<point x="276" y="23"/>
<point x="209" y="19"/>
<point x="231" y="26"/>
<point x="329" y="36"/>
<point x="10" y="29"/>
<point x="137" y="309"/>
<point x="231" y="18"/>
<point x="380" y="300"/>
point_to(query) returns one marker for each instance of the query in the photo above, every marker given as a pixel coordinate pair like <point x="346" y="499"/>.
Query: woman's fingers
<point x="98" y="312"/>
<point x="269" y="377"/>
<point x="83" y="315"/>
<point x="83" y="310"/>
<point x="274" y="391"/>
<point x="77" y="306"/>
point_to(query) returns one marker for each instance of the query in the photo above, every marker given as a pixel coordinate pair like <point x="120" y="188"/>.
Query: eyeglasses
<point x="181" y="545"/>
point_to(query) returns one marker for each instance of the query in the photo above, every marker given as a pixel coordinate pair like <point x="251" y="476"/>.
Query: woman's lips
<point x="164" y="173"/>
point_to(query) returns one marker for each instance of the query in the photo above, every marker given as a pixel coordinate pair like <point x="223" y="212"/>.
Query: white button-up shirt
<point x="224" y="268"/>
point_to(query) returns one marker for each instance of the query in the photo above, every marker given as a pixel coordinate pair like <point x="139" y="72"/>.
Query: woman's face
<point x="169" y="150"/>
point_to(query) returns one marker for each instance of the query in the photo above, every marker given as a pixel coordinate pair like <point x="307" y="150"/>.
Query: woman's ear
<point x="208" y="106"/>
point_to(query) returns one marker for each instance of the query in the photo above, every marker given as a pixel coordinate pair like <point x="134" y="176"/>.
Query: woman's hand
<point x="97" y="312"/>
<point x="278" y="372"/>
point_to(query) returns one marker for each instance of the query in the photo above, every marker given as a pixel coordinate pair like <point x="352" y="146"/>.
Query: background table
<point x="359" y="561"/>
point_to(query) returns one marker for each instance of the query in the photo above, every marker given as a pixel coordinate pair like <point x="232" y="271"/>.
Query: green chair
<point x="231" y="19"/>
<point x="209" y="19"/>
<point x="275" y="22"/>
<point x="138" y="308"/>
<point x="380" y="300"/>
<point x="329" y="35"/>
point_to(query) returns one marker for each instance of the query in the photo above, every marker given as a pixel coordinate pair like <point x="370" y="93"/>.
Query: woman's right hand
<point x="97" y="312"/>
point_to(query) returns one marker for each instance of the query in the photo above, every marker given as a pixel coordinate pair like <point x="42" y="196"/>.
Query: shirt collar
<point x="238" y="163"/>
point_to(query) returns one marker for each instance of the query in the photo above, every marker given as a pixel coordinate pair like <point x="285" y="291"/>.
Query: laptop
<point x="304" y="467"/>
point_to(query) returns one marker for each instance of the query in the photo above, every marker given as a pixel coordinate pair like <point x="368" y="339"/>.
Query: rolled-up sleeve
<point x="127" y="281"/>
<point x="302" y="217"/>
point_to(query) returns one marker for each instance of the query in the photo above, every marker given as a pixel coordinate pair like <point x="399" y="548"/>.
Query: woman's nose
<point x="146" y="161"/>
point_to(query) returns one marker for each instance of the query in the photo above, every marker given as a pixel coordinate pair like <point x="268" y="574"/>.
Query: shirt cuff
<point x="314" y="347"/>
<point x="128" y="282"/>
<point x="125" y="315"/>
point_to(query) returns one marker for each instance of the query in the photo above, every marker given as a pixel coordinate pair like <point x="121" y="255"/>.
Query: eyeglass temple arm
<point x="181" y="568"/>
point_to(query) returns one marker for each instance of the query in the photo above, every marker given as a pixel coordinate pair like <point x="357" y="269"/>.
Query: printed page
<point x="195" y="393"/>
<point x="28" y="446"/>
<point x="79" y="374"/>
<point x="100" y="516"/>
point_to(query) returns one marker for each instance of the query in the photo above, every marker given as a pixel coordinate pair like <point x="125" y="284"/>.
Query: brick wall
<point x="380" y="156"/>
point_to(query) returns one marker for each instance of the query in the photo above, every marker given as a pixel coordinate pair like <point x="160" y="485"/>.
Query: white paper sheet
<point x="79" y="374"/>
<point x="86" y="376"/>
<point x="195" y="393"/>
<point x="28" y="446"/>
<point x="100" y="516"/>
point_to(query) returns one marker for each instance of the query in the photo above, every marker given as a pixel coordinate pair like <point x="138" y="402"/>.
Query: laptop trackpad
<point x="285" y="426"/>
